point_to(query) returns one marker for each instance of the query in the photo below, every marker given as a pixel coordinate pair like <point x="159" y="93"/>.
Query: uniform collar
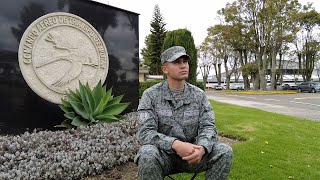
<point x="168" y="95"/>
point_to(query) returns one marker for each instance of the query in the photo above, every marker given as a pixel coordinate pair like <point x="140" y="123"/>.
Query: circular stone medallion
<point x="57" y="51"/>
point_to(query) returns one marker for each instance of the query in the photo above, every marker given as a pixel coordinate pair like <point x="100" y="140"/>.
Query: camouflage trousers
<point x="156" y="164"/>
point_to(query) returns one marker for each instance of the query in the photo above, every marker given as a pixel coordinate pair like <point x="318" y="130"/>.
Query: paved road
<point x="302" y="105"/>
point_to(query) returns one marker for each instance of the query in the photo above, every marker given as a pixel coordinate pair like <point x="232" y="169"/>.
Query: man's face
<point x="177" y="70"/>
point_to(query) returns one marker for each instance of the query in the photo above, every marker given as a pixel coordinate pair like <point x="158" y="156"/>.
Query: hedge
<point x="146" y="84"/>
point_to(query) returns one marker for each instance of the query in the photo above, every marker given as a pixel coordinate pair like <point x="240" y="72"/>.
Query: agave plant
<point x="91" y="106"/>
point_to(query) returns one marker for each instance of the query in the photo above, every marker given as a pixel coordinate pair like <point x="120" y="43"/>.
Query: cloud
<point x="122" y="41"/>
<point x="8" y="41"/>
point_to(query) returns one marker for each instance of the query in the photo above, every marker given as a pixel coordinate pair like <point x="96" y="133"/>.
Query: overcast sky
<point x="196" y="16"/>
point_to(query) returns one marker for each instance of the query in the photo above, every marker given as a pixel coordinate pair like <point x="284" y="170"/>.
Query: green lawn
<point x="277" y="146"/>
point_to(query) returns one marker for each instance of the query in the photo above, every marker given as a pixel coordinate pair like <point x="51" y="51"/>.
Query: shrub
<point x="199" y="85"/>
<point x="87" y="107"/>
<point x="145" y="85"/>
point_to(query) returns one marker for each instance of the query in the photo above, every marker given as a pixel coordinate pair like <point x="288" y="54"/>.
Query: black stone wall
<point x="20" y="108"/>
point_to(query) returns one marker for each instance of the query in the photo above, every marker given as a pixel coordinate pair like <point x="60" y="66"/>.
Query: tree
<point x="209" y="48"/>
<point x="237" y="35"/>
<point x="317" y="65"/>
<point x="307" y="44"/>
<point x="217" y="39"/>
<point x="205" y="62"/>
<point x="146" y="52"/>
<point x="183" y="37"/>
<point x="251" y="69"/>
<point x="263" y="28"/>
<point x="153" y="42"/>
<point x="283" y="32"/>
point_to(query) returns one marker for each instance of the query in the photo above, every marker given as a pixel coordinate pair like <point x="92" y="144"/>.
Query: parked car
<point x="224" y="86"/>
<point x="289" y="86"/>
<point x="237" y="86"/>
<point x="309" y="86"/>
<point x="218" y="87"/>
<point x="209" y="85"/>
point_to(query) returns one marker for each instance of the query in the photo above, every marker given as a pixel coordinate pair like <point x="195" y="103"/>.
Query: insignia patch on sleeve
<point x="143" y="116"/>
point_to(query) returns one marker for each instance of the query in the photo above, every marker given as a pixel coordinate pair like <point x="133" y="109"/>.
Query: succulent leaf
<point x="67" y="123"/>
<point x="115" y="100"/>
<point x="66" y="103"/>
<point x="101" y="104"/>
<point x="75" y="95"/>
<point x="115" y="109"/>
<point x="120" y="117"/>
<point x="106" y="116"/>
<point x="89" y="97"/>
<point x="70" y="115"/>
<point x="92" y="119"/>
<point x="78" y="121"/>
<point x="98" y="93"/>
<point x="78" y="93"/>
<point x="79" y="109"/>
<point x="104" y="88"/>
<point x="66" y="109"/>
<point x="83" y="98"/>
<point x="73" y="98"/>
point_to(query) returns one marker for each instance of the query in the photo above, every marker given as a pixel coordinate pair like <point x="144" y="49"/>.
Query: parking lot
<point x="302" y="105"/>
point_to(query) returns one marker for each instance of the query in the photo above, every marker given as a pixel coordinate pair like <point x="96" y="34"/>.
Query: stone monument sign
<point x="48" y="47"/>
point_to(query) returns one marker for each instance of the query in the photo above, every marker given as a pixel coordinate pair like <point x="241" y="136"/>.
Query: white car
<point x="218" y="87"/>
<point x="237" y="86"/>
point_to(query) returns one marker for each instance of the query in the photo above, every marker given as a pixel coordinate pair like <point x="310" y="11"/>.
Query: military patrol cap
<point x="173" y="53"/>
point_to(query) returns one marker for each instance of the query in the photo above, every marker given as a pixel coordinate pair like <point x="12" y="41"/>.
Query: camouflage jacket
<point x="162" y="119"/>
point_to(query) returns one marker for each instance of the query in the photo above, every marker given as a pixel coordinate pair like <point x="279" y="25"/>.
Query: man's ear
<point x="164" y="69"/>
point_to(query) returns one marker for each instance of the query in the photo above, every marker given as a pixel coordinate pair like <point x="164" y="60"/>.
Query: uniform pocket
<point x="165" y="120"/>
<point x="191" y="113"/>
<point x="164" y="112"/>
<point x="191" y="116"/>
<point x="166" y="126"/>
<point x="191" y="123"/>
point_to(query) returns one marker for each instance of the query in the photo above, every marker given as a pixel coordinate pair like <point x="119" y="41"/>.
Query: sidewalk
<point x="290" y="111"/>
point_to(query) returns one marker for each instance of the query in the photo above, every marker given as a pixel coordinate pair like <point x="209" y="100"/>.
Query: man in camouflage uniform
<point x="177" y="128"/>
